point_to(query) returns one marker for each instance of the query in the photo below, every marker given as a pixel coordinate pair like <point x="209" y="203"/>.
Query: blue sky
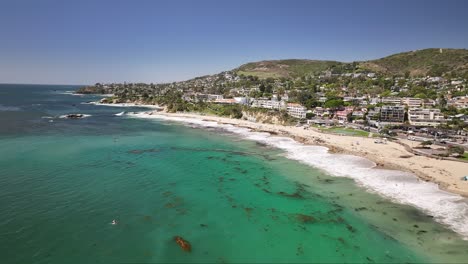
<point x="83" y="42"/>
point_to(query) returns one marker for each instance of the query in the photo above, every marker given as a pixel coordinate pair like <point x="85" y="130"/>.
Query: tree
<point x="262" y="88"/>
<point x="442" y="101"/>
<point x="310" y="115"/>
<point x="334" y="103"/>
<point x="456" y="150"/>
<point x="386" y="93"/>
<point x="450" y="110"/>
<point x="421" y="96"/>
<point x="304" y="96"/>
<point x="417" y="90"/>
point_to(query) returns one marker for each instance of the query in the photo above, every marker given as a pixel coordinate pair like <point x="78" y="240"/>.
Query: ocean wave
<point x="9" y="108"/>
<point x="69" y="93"/>
<point x="402" y="187"/>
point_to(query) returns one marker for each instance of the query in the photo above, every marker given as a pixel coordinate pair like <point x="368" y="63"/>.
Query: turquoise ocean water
<point x="234" y="200"/>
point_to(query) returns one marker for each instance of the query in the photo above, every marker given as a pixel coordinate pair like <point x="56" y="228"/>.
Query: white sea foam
<point x="406" y="188"/>
<point x="124" y="105"/>
<point x="70" y="93"/>
<point x="9" y="108"/>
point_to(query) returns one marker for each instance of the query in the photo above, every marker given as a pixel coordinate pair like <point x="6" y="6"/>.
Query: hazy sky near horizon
<point x="83" y="42"/>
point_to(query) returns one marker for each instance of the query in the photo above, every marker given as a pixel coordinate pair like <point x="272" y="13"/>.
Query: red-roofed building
<point x="342" y="115"/>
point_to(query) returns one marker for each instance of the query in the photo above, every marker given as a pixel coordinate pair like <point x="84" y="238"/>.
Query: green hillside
<point x="285" y="68"/>
<point x="433" y="62"/>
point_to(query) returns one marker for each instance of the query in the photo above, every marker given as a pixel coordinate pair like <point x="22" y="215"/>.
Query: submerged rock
<point x="184" y="244"/>
<point x="74" y="116"/>
<point x="292" y="195"/>
<point x="141" y="151"/>
<point x="303" y="218"/>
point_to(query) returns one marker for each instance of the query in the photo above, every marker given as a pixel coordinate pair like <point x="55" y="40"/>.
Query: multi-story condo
<point x="392" y="114"/>
<point x="268" y="104"/>
<point x="425" y="117"/>
<point x="296" y="110"/>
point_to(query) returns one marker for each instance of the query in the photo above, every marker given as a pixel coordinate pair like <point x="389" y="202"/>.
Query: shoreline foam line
<point x="402" y="187"/>
<point x="124" y="105"/>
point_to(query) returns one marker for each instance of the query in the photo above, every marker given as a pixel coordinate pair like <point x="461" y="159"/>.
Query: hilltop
<point x="285" y="68"/>
<point x="433" y="62"/>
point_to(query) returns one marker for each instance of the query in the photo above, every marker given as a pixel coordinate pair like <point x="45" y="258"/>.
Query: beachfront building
<point x="359" y="114"/>
<point x="425" y="117"/>
<point x="392" y="114"/>
<point x="296" y="110"/>
<point x="342" y="115"/>
<point x="268" y="104"/>
<point x="242" y="100"/>
<point x="321" y="112"/>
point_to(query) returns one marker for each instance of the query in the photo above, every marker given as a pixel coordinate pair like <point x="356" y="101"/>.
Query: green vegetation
<point x="96" y="89"/>
<point x="425" y="62"/>
<point x="465" y="156"/>
<point x="426" y="143"/>
<point x="285" y="68"/>
<point x="262" y="75"/>
<point x="456" y="150"/>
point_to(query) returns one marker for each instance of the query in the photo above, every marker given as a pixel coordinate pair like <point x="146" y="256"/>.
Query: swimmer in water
<point x="114" y="222"/>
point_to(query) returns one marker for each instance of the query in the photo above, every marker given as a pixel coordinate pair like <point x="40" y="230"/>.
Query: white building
<point x="425" y="117"/>
<point x="214" y="97"/>
<point x="412" y="102"/>
<point x="242" y="100"/>
<point x="391" y="100"/>
<point x="296" y="110"/>
<point x="268" y="104"/>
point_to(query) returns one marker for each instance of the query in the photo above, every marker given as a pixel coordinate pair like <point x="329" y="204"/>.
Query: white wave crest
<point x="9" y="108"/>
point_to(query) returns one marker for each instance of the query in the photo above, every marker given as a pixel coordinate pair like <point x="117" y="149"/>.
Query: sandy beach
<point x="447" y="174"/>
